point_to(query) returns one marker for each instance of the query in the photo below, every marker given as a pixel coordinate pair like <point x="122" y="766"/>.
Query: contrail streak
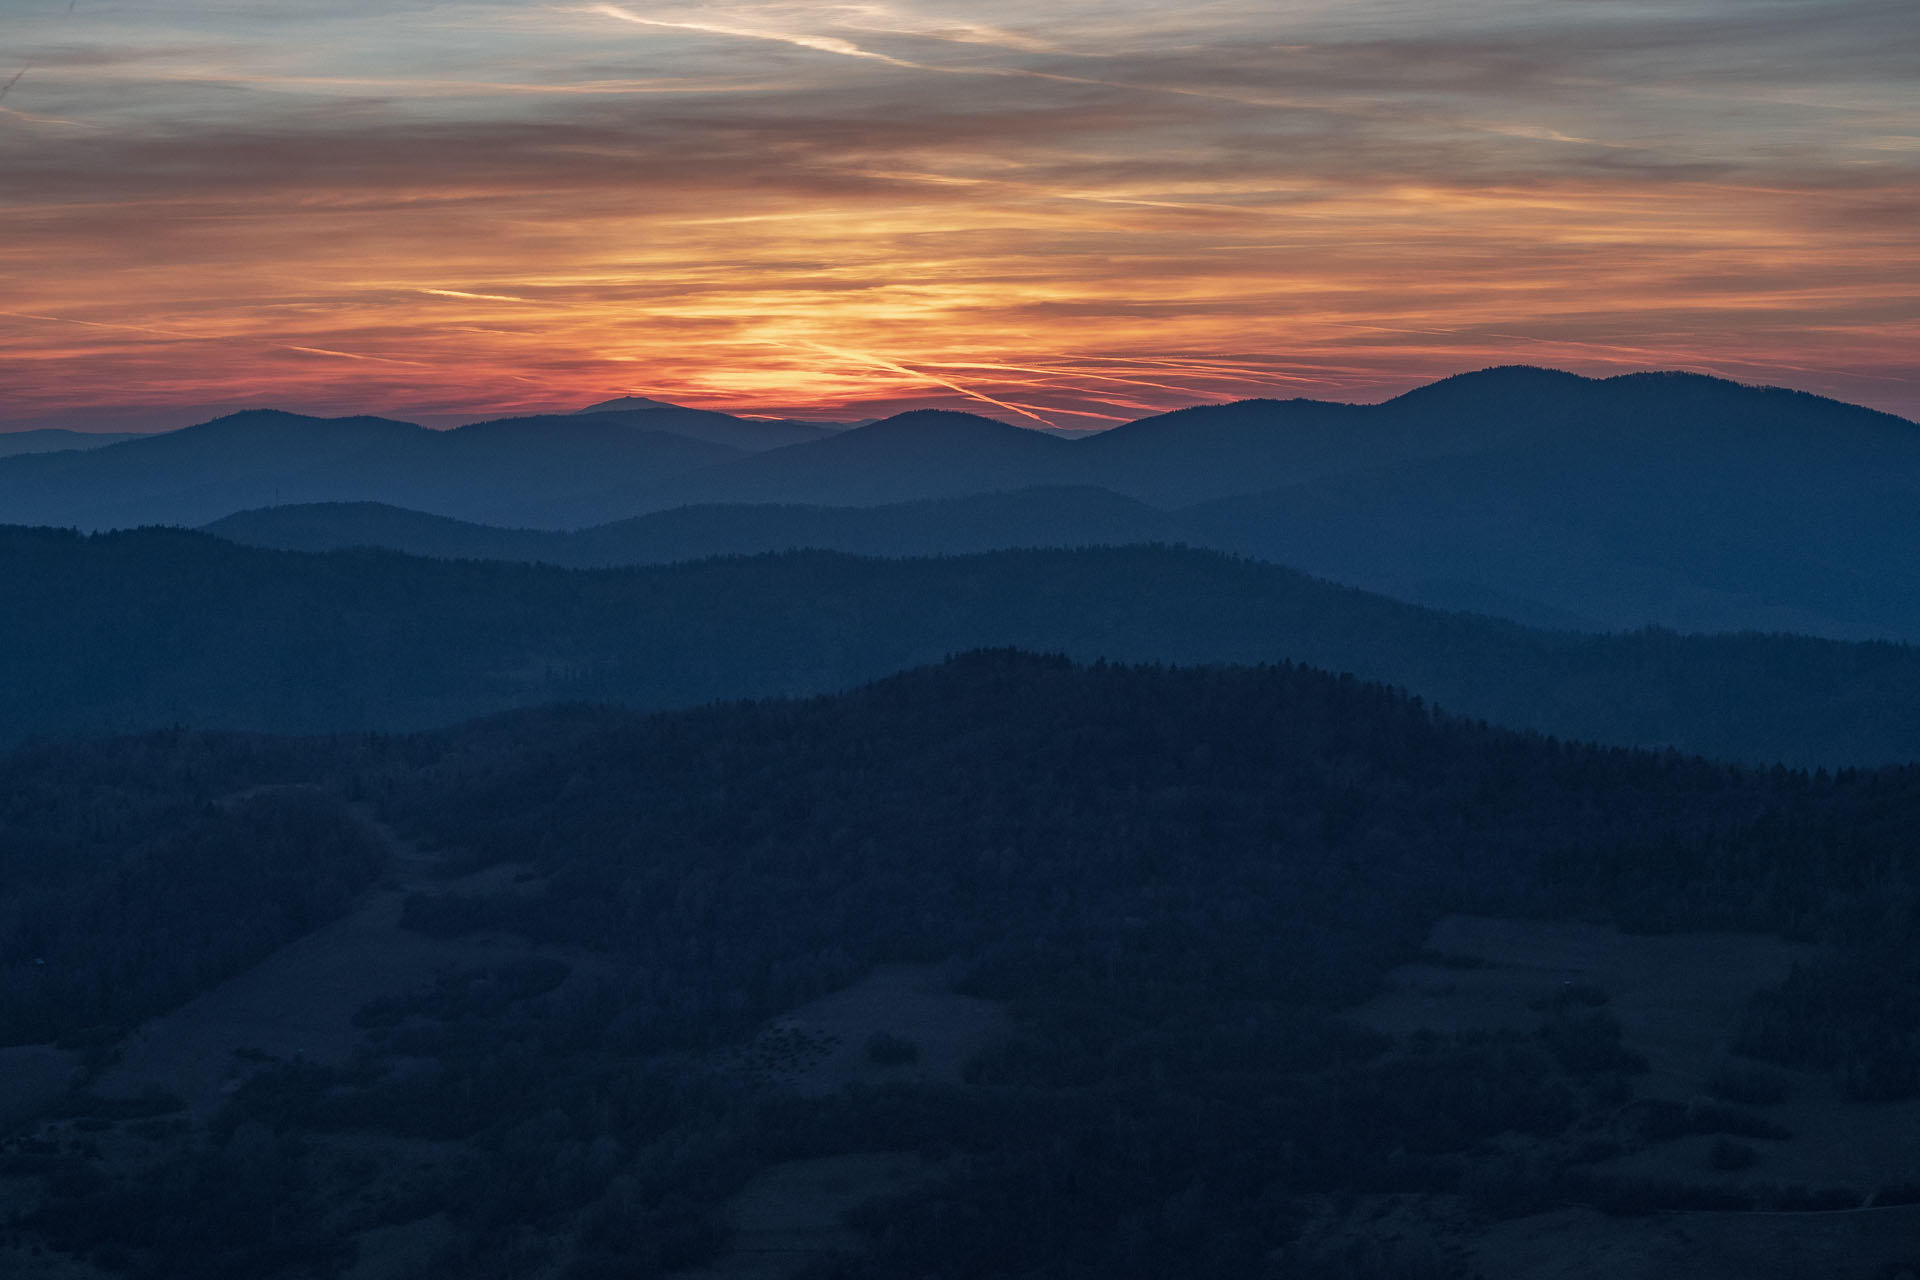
<point x="820" y="44"/>
<point x="477" y="297"/>
<point x="198" y="337"/>
<point x="1217" y="368"/>
<point x="350" y="355"/>
<point x="7" y="88"/>
<point x="847" y="49"/>
<point x="1076" y="373"/>
<point x="878" y="362"/>
<point x="101" y="324"/>
<point x="1088" y="413"/>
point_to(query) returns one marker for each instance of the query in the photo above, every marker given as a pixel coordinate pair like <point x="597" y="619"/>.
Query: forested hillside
<point x="136" y="873"/>
<point x="1176" y="883"/>
<point x="1023" y="518"/>
<point x="159" y="627"/>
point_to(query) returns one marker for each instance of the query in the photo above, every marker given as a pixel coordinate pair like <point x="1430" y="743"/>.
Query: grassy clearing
<point x="1679" y="1000"/>
<point x="299" y="1003"/>
<point x="792" y="1213"/>
<point x="829" y="1044"/>
<point x="1679" y="997"/>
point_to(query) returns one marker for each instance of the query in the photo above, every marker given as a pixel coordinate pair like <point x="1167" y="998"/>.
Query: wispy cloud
<point x="895" y="21"/>
<point x="1077" y="210"/>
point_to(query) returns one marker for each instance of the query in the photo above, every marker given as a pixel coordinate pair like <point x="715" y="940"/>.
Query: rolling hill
<point x="912" y="456"/>
<point x="747" y="434"/>
<point x="1039" y="517"/>
<point x="487" y="471"/>
<point x="156" y="627"/>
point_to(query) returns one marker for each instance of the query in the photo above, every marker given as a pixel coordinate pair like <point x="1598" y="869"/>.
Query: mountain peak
<point x="253" y="422"/>
<point x="1498" y="380"/>
<point x="627" y="404"/>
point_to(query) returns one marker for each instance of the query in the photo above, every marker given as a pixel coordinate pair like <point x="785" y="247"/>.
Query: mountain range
<point x="1665" y="499"/>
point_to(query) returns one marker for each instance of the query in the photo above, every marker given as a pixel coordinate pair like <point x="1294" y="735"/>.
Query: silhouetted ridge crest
<point x="629" y="404"/>
<point x="948" y="423"/>
<point x="538" y="425"/>
<point x="282" y="420"/>
<point x="1041" y="516"/>
<point x="1503" y="378"/>
<point x="1261" y="413"/>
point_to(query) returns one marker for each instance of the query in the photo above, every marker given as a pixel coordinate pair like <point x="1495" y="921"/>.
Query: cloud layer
<point x="1085" y="211"/>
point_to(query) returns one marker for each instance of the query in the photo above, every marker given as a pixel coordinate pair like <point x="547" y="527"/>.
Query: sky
<point x="1074" y="213"/>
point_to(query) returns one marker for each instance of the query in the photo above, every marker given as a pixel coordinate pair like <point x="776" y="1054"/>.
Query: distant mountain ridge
<point x="806" y="428"/>
<point x="747" y="434"/>
<point x="54" y="439"/>
<point x="1038" y="517"/>
<point x="491" y="471"/>
<point x="1668" y="499"/>
<point x="131" y="630"/>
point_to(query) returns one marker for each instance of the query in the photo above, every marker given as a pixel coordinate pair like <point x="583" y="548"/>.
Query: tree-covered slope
<point x="1174" y="885"/>
<point x="1038" y="517"/>
<point x="160" y="627"/>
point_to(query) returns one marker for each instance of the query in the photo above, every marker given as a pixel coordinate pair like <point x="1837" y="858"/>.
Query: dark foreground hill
<point x="1156" y="896"/>
<point x="159" y="627"/>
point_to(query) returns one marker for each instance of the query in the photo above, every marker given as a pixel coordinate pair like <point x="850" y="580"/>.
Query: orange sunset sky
<point x="1075" y="212"/>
